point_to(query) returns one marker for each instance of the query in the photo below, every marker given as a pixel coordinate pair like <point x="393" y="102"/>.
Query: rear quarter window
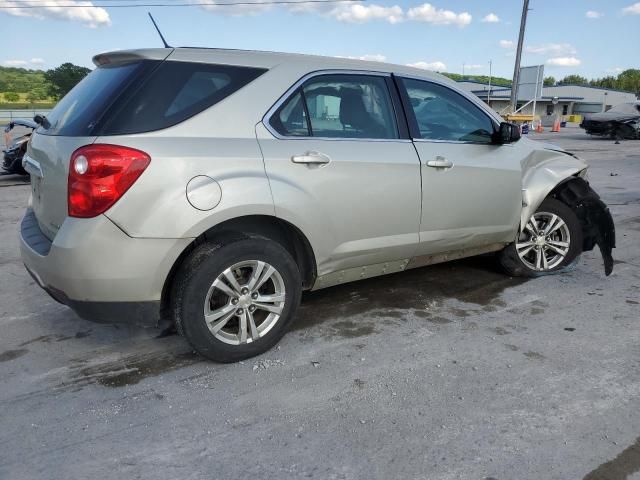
<point x="144" y="96"/>
<point x="172" y="93"/>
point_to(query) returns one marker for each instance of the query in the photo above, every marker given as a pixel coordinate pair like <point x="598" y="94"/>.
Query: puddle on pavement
<point x="12" y="354"/>
<point x="474" y="280"/>
<point x="620" y="468"/>
<point x="129" y="370"/>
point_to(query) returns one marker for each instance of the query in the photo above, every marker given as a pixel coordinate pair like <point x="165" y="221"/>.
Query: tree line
<point x="37" y="85"/>
<point x="628" y="80"/>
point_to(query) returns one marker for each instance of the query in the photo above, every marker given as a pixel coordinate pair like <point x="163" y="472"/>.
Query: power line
<point x="194" y="4"/>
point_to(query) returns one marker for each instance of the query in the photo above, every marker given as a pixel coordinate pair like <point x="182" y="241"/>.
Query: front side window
<point x="338" y="106"/>
<point x="442" y="114"/>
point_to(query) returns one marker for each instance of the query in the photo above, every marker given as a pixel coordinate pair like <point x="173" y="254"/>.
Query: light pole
<point x="516" y="70"/>
<point x="489" y="94"/>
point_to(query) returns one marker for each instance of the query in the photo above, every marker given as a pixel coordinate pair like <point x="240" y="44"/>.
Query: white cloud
<point x="491" y="18"/>
<point x="555" y="49"/>
<point x="593" y="14"/>
<point x="435" y="66"/>
<point x="84" y="13"/>
<point x="15" y="63"/>
<point x="375" y="57"/>
<point x="430" y="14"/>
<point x="23" y="63"/>
<point x="507" y="44"/>
<point x="615" y="70"/>
<point x="632" y="9"/>
<point x="359" y="13"/>
<point x="473" y="67"/>
<point x="564" y="62"/>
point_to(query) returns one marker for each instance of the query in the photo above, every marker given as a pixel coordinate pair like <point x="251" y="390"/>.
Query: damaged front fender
<point x="559" y="174"/>
<point x="594" y="215"/>
<point x="544" y="170"/>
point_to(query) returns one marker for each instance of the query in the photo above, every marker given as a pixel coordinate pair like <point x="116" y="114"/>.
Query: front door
<point x="471" y="188"/>
<point x="340" y="170"/>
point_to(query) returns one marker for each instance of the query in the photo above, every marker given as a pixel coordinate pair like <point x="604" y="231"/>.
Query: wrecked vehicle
<point x="620" y="122"/>
<point x="12" y="161"/>
<point x="210" y="187"/>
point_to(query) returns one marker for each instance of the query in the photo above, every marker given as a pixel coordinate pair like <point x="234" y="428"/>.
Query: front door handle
<point x="315" y="158"/>
<point x="440" y="162"/>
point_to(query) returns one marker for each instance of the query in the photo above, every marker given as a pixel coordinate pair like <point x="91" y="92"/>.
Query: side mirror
<point x="507" y="133"/>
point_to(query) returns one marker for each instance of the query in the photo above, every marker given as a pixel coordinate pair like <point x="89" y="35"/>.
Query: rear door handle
<point x="316" y="158"/>
<point x="440" y="162"/>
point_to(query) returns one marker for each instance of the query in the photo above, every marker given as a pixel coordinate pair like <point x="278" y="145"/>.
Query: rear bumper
<point x="100" y="272"/>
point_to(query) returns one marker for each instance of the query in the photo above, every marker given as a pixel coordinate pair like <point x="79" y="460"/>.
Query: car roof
<point x="265" y="59"/>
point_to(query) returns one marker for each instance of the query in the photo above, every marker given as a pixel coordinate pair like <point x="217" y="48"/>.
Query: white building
<point x="572" y="99"/>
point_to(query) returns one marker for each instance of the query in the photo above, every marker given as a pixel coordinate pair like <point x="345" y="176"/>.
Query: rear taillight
<point x="99" y="175"/>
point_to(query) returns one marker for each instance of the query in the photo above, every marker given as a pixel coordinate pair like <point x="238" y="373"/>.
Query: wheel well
<point x="272" y="228"/>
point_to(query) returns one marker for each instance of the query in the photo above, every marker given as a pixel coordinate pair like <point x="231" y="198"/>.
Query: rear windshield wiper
<point x="42" y="121"/>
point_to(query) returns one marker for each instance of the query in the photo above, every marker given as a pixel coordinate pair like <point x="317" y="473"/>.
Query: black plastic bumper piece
<point x="594" y="215"/>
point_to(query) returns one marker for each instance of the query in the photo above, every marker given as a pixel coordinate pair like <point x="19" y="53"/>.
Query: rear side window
<point x="174" y="92"/>
<point x="338" y="106"/>
<point x="144" y="96"/>
<point x="291" y="118"/>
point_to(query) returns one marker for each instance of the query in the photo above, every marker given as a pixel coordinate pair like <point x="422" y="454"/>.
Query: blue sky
<point x="592" y="38"/>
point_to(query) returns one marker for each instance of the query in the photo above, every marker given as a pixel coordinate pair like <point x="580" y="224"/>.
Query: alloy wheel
<point x="544" y="242"/>
<point x="244" y="302"/>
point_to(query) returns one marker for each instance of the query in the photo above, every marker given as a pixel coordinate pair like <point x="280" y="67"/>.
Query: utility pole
<point x="516" y="70"/>
<point x="463" y="71"/>
<point x="489" y="95"/>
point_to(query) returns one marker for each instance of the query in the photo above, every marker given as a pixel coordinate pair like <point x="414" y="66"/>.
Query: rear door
<point x="471" y="188"/>
<point x="341" y="167"/>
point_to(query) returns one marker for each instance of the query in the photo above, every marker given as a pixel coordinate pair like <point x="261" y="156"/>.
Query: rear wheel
<point x="550" y="241"/>
<point x="235" y="301"/>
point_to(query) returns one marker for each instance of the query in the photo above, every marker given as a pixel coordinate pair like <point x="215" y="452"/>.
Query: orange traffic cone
<point x="539" y="128"/>
<point x="556" y="126"/>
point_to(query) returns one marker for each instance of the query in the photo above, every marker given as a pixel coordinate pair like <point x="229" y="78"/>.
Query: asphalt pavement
<point x="453" y="371"/>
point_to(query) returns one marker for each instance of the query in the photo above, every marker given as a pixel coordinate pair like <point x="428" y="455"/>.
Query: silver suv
<point x="211" y="187"/>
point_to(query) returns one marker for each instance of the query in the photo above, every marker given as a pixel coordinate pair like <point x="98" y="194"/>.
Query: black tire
<point x="195" y="277"/>
<point x="513" y="265"/>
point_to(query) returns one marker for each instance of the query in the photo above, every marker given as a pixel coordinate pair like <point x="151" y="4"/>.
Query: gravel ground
<point x="446" y="372"/>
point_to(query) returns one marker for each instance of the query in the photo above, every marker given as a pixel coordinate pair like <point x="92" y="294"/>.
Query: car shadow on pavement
<point x="474" y="280"/>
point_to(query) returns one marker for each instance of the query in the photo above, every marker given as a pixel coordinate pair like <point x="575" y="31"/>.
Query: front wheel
<point x="550" y="241"/>
<point x="236" y="300"/>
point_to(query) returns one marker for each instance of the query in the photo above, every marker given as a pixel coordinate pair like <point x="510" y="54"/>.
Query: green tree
<point x="37" y="94"/>
<point x="64" y="78"/>
<point x="573" y="80"/>
<point x="629" y="80"/>
<point x="549" y="81"/>
<point x="11" y="96"/>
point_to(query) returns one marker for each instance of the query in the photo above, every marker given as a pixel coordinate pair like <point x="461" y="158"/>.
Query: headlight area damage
<point x="594" y="215"/>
